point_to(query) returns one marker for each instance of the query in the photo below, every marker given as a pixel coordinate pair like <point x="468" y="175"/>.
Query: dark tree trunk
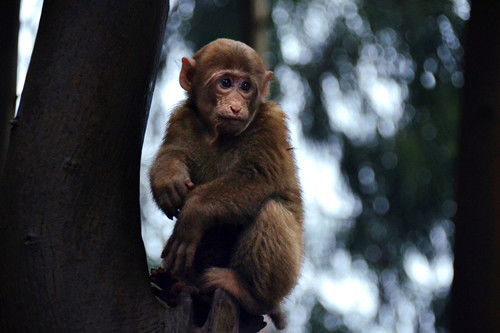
<point x="71" y="253"/>
<point x="476" y="288"/>
<point x="9" y="29"/>
<point x="255" y="18"/>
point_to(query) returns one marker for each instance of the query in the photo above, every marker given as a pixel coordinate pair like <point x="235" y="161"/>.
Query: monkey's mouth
<point x="231" y="125"/>
<point x="231" y="119"/>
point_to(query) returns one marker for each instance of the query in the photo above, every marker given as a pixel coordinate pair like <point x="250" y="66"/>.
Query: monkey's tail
<point x="228" y="280"/>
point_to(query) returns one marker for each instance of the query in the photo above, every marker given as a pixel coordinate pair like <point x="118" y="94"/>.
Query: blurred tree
<point x="9" y="27"/>
<point x="247" y="21"/>
<point x="476" y="288"/>
<point x="255" y="15"/>
<point x="70" y="247"/>
<point x="217" y="19"/>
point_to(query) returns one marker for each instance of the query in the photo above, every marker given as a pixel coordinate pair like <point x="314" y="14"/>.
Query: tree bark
<point x="475" y="291"/>
<point x="71" y="254"/>
<point x="9" y="29"/>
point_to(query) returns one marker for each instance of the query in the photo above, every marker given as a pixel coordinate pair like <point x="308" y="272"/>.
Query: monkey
<point x="226" y="171"/>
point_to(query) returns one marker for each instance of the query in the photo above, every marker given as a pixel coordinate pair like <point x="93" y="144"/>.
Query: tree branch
<point x="224" y="314"/>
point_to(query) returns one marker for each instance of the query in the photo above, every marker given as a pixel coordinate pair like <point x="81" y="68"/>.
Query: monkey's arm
<point x="233" y="198"/>
<point x="169" y="174"/>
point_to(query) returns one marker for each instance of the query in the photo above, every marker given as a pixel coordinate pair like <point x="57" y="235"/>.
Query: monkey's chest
<point x="218" y="242"/>
<point x="213" y="164"/>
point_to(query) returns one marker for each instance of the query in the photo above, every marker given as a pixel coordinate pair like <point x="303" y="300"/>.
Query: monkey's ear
<point x="186" y="75"/>
<point x="265" y="86"/>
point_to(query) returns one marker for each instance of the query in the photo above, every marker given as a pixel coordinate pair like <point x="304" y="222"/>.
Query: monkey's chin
<point x="231" y="127"/>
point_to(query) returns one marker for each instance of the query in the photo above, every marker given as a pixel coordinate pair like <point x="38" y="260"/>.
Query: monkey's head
<point x="226" y="81"/>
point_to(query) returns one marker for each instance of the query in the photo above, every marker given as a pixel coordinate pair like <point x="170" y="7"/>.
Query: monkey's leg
<point x="266" y="263"/>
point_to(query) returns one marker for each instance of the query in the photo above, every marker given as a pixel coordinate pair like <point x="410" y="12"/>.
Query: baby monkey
<point x="225" y="169"/>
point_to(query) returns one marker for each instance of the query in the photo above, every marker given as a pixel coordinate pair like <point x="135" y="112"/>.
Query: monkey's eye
<point x="245" y="86"/>
<point x="226" y="83"/>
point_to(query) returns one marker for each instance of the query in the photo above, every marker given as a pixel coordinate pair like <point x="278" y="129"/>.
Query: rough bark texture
<point x="475" y="291"/>
<point x="9" y="28"/>
<point x="71" y="254"/>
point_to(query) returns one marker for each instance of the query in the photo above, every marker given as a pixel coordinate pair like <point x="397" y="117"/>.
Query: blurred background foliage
<point x="371" y="91"/>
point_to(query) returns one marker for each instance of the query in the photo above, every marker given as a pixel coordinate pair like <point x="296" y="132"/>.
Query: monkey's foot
<point x="166" y="288"/>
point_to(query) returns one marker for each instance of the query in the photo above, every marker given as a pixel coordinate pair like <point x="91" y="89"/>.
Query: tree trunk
<point x="475" y="291"/>
<point x="9" y="29"/>
<point x="256" y="19"/>
<point x="71" y="253"/>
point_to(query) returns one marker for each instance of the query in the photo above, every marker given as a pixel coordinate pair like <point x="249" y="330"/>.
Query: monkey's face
<point x="227" y="82"/>
<point x="232" y="101"/>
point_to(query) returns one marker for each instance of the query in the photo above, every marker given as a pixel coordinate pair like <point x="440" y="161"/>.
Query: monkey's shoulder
<point x="270" y="125"/>
<point x="183" y="121"/>
<point x="272" y="113"/>
<point x="182" y="115"/>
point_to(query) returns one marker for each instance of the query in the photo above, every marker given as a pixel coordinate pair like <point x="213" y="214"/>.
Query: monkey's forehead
<point x="224" y="61"/>
<point x="230" y="54"/>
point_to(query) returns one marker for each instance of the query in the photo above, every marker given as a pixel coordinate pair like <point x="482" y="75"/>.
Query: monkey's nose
<point x="235" y="109"/>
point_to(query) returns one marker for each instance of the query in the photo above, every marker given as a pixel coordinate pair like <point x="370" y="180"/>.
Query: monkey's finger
<point x="179" y="259"/>
<point x="167" y="247"/>
<point x="170" y="255"/>
<point x="163" y="254"/>
<point x="189" y="184"/>
<point x="168" y="209"/>
<point x="175" y="198"/>
<point x="171" y="251"/>
<point x="182" y="190"/>
<point x="190" y="252"/>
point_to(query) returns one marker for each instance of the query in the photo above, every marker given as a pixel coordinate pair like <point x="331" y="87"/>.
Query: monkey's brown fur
<point x="242" y="222"/>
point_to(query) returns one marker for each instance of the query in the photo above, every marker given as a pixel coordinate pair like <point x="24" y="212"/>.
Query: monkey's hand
<point x="181" y="247"/>
<point x="171" y="194"/>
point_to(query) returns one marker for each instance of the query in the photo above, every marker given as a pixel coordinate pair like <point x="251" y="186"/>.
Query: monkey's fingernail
<point x="190" y="185"/>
